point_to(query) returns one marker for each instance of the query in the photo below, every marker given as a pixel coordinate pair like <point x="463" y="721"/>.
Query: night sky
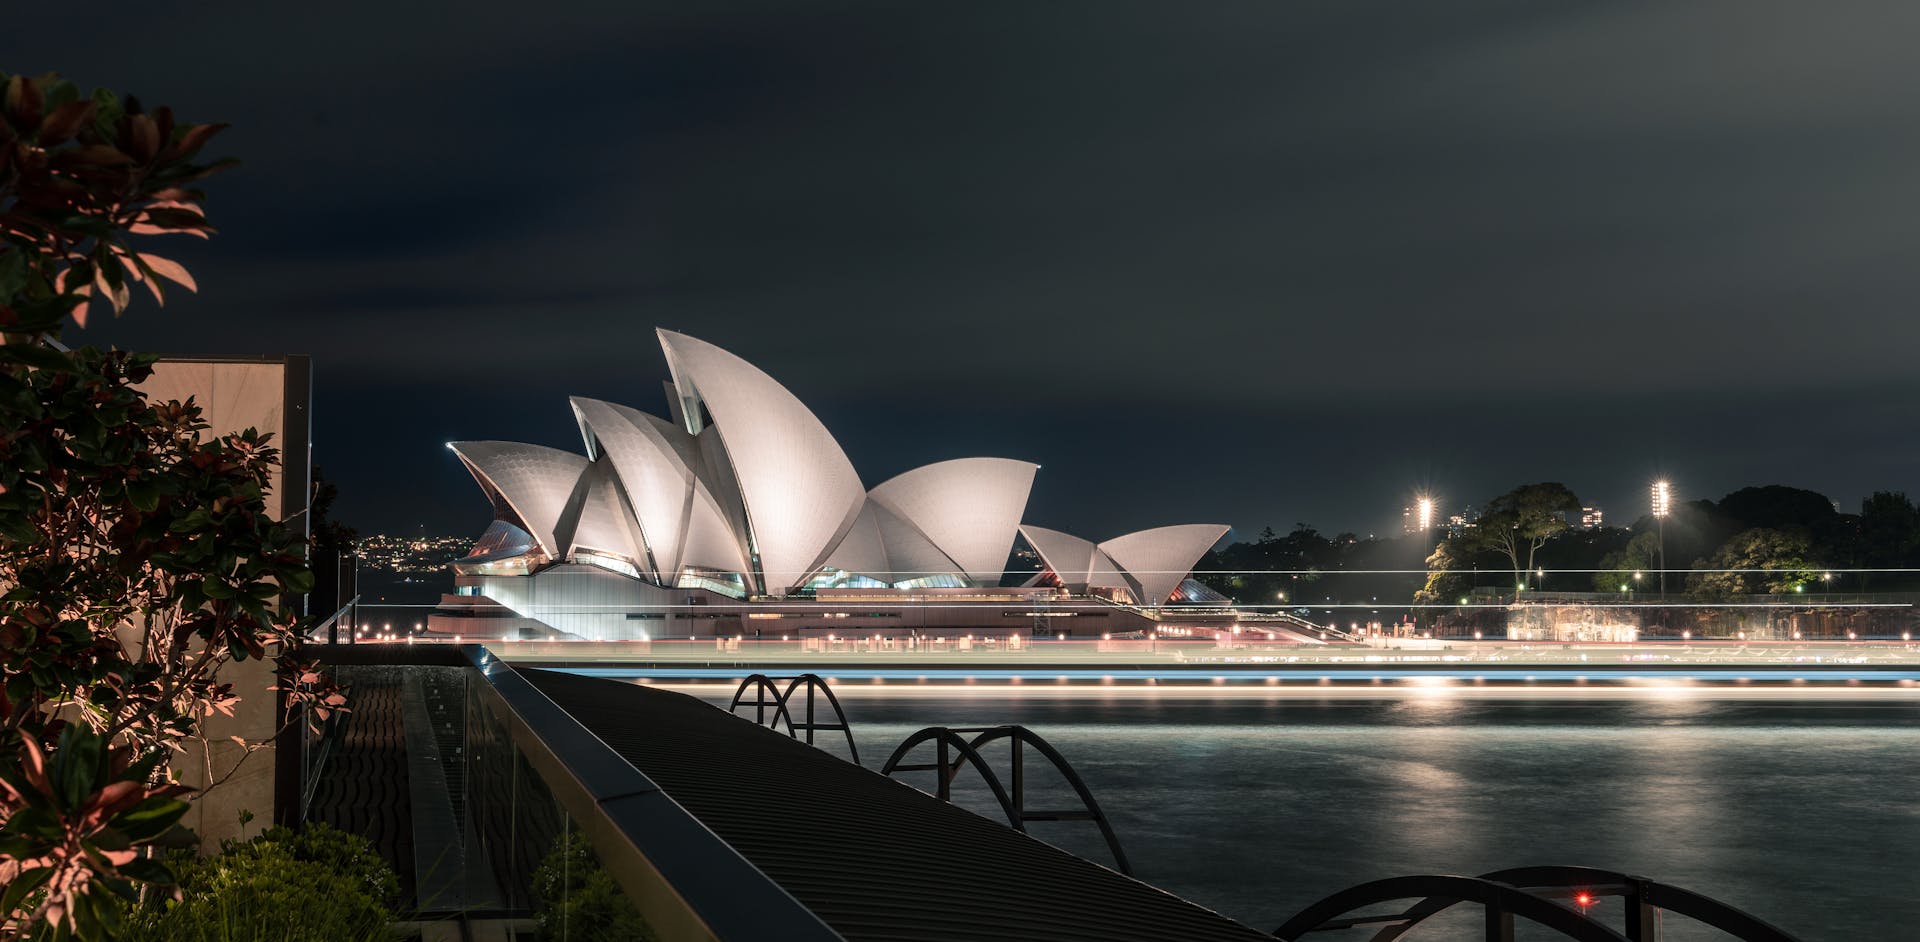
<point x="1250" y="263"/>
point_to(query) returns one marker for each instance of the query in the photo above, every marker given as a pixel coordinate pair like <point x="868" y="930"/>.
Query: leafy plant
<point x="77" y="817"/>
<point x="137" y="553"/>
<point x="349" y="855"/>
<point x="1754" y="562"/>
<point x="314" y="884"/>
<point x="79" y="176"/>
<point x="575" y="898"/>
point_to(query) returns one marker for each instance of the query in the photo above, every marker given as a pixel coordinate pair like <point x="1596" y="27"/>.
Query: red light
<point x="1584" y="899"/>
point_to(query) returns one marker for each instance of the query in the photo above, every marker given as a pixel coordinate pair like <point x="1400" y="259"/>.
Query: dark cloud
<point x="1250" y="262"/>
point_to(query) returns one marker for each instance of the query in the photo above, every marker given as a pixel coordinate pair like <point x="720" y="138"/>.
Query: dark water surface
<point x="1804" y="813"/>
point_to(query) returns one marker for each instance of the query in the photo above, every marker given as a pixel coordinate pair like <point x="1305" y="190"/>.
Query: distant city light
<point x="1662" y="498"/>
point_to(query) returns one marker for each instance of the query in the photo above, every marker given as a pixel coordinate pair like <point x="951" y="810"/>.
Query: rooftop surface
<point x="874" y="858"/>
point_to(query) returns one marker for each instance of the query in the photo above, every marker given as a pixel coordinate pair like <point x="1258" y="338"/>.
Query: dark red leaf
<point x="64" y="122"/>
<point x="23" y="103"/>
<point x="143" y="138"/>
<point x="190" y="142"/>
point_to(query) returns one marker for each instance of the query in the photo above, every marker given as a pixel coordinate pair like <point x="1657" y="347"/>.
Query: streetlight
<point x="1662" y="505"/>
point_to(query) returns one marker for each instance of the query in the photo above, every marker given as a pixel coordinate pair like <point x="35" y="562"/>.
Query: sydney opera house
<point x="738" y="515"/>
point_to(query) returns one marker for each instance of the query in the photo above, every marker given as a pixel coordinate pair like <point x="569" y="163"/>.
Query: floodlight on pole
<point x="1662" y="505"/>
<point x="1425" y="516"/>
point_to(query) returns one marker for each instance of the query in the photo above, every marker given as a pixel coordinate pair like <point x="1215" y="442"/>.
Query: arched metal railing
<point x="768" y="694"/>
<point x="953" y="751"/>
<point x="1501" y="901"/>
<point x="1644" y="900"/>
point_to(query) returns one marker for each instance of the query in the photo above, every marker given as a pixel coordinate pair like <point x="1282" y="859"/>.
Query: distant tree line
<point x="1754" y="541"/>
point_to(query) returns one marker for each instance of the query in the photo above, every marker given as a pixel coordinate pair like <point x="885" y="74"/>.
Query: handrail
<point x="1012" y="801"/>
<point x="689" y="882"/>
<point x="1502" y="902"/>
<point x="1524" y="891"/>
<point x="331" y="623"/>
<point x="762" y="684"/>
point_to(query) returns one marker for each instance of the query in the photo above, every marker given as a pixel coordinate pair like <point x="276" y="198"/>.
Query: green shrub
<point x="317" y="885"/>
<point x="575" y="900"/>
<point x="348" y="855"/>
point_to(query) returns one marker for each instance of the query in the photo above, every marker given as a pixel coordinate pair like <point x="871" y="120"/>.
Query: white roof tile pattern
<point x="800" y="491"/>
<point x="1156" y="560"/>
<point x="861" y="552"/>
<point x="655" y="461"/>
<point x="534" y="481"/>
<point x="1069" y="556"/>
<point x="968" y="507"/>
<point x="604" y="522"/>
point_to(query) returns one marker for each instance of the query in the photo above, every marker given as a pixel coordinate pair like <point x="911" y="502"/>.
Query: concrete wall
<point x="272" y="395"/>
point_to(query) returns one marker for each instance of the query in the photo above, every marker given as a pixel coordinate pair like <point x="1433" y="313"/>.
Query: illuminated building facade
<point x="738" y="507"/>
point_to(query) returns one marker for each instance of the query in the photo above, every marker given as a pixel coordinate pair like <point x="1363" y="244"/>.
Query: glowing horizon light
<point x="1662" y="498"/>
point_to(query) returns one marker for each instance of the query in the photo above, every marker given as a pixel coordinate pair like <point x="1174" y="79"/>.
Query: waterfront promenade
<point x="1490" y="670"/>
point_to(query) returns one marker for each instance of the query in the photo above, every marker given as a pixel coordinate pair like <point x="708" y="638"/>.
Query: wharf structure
<point x="738" y="515"/>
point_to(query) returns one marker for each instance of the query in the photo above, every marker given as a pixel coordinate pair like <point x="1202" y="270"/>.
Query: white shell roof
<point x="655" y="461"/>
<point x="762" y="489"/>
<point x="1150" y="563"/>
<point x="861" y="551"/>
<point x="1157" y="560"/>
<point x="533" y="480"/>
<point x="909" y="552"/>
<point x="968" y="507"/>
<point x="882" y="546"/>
<point x="800" y="491"/>
<point x="1069" y="556"/>
<point x="603" y="521"/>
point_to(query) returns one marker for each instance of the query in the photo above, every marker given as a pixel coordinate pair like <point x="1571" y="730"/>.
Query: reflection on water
<point x="1806" y="814"/>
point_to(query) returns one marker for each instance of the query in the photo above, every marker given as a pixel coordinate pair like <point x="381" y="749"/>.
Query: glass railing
<point x="494" y="804"/>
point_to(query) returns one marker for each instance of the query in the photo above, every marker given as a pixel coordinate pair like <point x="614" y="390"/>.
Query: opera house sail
<point x="740" y="500"/>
